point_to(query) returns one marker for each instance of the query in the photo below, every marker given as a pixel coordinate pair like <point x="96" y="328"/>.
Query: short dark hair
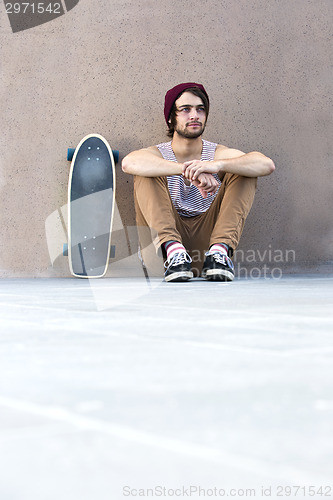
<point x="172" y="118"/>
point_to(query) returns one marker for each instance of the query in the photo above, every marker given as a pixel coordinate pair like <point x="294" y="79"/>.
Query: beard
<point x="187" y="133"/>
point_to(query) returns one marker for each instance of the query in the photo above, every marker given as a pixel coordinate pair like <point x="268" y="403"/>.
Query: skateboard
<point x="91" y="199"/>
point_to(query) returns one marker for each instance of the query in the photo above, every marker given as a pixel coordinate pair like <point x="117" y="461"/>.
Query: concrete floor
<point x="118" y="388"/>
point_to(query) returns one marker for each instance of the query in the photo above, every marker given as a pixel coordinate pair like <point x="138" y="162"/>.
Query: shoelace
<point x="177" y="259"/>
<point x="221" y="258"/>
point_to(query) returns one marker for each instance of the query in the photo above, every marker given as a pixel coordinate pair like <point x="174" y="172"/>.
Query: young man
<point x="194" y="194"/>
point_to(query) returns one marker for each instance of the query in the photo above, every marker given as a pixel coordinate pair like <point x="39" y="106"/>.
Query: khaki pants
<point x="158" y="221"/>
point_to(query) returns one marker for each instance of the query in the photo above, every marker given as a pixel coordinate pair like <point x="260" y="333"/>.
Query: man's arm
<point x="231" y="161"/>
<point x="149" y="162"/>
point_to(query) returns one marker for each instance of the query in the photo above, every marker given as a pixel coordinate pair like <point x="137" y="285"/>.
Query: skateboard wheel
<point x="65" y="250"/>
<point x="115" y="153"/>
<point x="70" y="153"/>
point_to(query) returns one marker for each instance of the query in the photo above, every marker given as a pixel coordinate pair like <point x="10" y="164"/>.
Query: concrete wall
<point x="104" y="67"/>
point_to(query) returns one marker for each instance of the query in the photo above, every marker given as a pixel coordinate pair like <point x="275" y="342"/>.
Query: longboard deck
<point x="91" y="196"/>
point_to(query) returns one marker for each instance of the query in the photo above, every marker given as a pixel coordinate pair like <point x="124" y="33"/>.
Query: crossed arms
<point x="150" y="163"/>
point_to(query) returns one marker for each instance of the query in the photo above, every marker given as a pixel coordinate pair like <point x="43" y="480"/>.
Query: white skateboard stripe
<point x="262" y="468"/>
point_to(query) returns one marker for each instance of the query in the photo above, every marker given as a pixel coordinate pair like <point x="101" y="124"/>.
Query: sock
<point x="173" y="247"/>
<point x="219" y="247"/>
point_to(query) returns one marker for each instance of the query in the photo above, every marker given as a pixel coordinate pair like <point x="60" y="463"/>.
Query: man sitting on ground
<point x="193" y="193"/>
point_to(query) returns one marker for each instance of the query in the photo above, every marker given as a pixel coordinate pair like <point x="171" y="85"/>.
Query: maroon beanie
<point x="172" y="95"/>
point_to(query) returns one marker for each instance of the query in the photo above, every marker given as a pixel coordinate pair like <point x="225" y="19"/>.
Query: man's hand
<point x="192" y="169"/>
<point x="206" y="183"/>
<point x="200" y="174"/>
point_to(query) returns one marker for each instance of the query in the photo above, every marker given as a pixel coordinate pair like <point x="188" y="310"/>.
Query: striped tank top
<point x="187" y="200"/>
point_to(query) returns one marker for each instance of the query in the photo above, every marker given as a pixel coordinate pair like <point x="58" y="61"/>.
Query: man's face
<point x="190" y="116"/>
